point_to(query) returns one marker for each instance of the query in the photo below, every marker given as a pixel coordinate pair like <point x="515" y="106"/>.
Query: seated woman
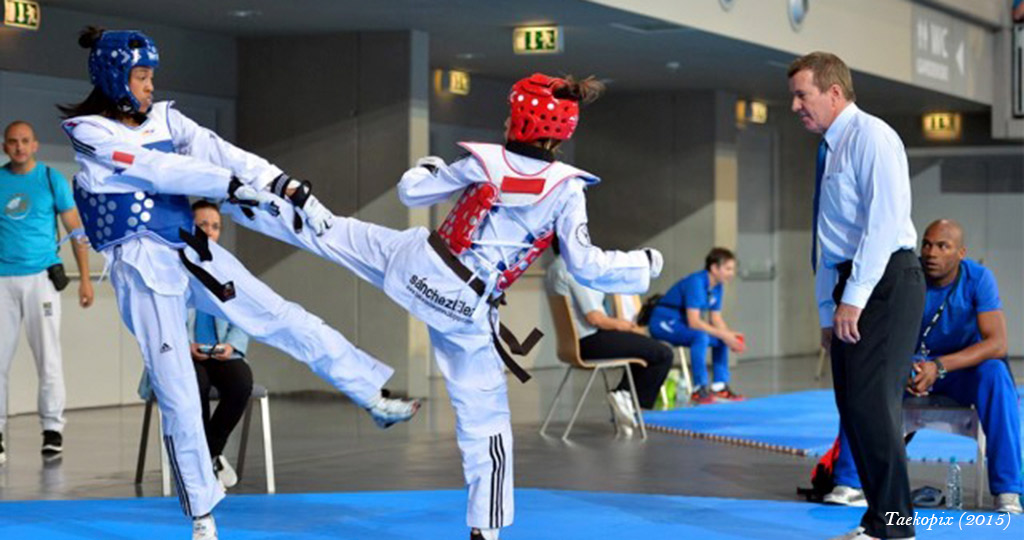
<point x="602" y="336"/>
<point x="218" y="354"/>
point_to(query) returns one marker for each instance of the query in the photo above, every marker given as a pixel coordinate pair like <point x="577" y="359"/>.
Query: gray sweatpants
<point x="34" y="301"/>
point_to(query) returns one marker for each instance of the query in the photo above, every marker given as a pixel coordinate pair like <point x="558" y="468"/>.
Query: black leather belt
<point x="466" y="275"/>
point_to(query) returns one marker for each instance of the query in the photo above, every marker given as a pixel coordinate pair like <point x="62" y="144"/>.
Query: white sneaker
<point x="204" y="528"/>
<point x="623" y="408"/>
<point x="856" y="534"/>
<point x="859" y="534"/>
<point x="1008" y="503"/>
<point x="226" y="474"/>
<point x="389" y="411"/>
<point x="846" y="496"/>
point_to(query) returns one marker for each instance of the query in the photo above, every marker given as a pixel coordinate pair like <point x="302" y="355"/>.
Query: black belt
<point x="845" y="268"/>
<point x="201" y="244"/>
<point x="465" y="274"/>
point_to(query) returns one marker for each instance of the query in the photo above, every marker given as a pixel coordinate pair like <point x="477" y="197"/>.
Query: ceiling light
<point x="245" y="13"/>
<point x="469" y="56"/>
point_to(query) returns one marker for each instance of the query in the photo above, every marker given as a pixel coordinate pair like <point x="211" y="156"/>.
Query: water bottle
<point x="954" y="495"/>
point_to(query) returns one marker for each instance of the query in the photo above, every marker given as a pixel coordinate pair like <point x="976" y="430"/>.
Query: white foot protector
<point x="389" y="411"/>
<point x="204" y="528"/>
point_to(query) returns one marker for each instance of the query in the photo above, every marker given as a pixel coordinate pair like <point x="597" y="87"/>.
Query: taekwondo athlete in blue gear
<point x="139" y="160"/>
<point x="690" y="314"/>
<point x="962" y="354"/>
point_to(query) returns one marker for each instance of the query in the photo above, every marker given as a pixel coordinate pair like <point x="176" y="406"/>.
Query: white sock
<point x="717" y="387"/>
<point x="489" y="534"/>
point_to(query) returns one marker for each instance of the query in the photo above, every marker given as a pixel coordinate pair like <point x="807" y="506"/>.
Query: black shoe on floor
<point x="53" y="443"/>
<point x="3" y="453"/>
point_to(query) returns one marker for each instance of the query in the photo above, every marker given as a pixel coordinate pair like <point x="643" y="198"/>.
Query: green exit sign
<point x="537" y="40"/>
<point x="21" y="14"/>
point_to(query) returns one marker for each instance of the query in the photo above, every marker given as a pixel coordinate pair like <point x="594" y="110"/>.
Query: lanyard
<point x="938" y="313"/>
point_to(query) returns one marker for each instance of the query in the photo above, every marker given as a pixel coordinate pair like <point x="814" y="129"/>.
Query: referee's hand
<point x="845" y="323"/>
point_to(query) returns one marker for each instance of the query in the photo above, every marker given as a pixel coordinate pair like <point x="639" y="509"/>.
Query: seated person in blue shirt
<point x="218" y="354"/>
<point x="962" y="354"/>
<point x="602" y="336"/>
<point x="678" y="318"/>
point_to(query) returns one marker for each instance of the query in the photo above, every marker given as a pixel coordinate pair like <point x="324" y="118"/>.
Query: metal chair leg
<point x="243" y="443"/>
<point x="165" y="466"/>
<point x="822" y="355"/>
<point x="684" y="365"/>
<point x="608" y="390"/>
<point x="551" y="410"/>
<point x="981" y="483"/>
<point x="579" y="405"/>
<point x="268" y="445"/>
<point x="147" y="416"/>
<point x="636" y="403"/>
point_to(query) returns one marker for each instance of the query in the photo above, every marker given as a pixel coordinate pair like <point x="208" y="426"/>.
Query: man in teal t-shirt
<point x="32" y="196"/>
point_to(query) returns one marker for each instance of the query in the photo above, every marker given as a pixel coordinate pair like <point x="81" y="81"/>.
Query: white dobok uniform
<point x="131" y="193"/>
<point x="461" y="322"/>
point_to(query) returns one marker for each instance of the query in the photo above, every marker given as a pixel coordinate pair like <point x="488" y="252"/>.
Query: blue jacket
<point x="226" y="333"/>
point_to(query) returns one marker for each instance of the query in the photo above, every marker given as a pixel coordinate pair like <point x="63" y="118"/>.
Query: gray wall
<point x="345" y="117"/>
<point x="655" y="154"/>
<point x="191" y="61"/>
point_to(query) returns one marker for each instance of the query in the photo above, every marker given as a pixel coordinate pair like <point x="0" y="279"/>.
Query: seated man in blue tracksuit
<point x="962" y="354"/>
<point x="690" y="315"/>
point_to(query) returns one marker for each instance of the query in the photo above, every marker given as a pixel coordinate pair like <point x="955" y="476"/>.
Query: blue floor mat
<point x="429" y="515"/>
<point x="800" y="423"/>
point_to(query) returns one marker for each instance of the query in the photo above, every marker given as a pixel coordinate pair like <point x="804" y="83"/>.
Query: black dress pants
<point x="870" y="377"/>
<point x="233" y="380"/>
<point x="614" y="344"/>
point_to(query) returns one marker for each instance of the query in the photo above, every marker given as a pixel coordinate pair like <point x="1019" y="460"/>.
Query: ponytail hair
<point x="583" y="91"/>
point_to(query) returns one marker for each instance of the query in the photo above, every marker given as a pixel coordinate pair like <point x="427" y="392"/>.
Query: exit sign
<point x="537" y="40"/>
<point x="21" y="14"/>
<point x="942" y="126"/>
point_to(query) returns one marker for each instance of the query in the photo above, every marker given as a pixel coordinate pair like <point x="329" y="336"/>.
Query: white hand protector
<point x="317" y="215"/>
<point x="657" y="261"/>
<point x="245" y="195"/>
<point x="431" y="163"/>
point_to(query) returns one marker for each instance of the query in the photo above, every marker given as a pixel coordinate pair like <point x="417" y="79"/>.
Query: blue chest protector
<point x="112" y="218"/>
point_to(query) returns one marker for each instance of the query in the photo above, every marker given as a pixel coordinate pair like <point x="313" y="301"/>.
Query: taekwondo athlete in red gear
<point x="513" y="201"/>
<point x="139" y="160"/>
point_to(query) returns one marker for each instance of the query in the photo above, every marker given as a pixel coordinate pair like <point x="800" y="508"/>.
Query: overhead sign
<point x="22" y="14"/>
<point x="942" y="126"/>
<point x="940" y="51"/>
<point x="537" y="40"/>
<point x="458" y="82"/>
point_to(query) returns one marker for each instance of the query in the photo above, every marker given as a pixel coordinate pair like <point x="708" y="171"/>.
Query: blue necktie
<point x="818" y="173"/>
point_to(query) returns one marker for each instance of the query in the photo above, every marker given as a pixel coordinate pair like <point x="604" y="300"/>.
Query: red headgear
<point x="535" y="113"/>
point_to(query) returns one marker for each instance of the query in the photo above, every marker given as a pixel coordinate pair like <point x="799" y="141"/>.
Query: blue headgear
<point x="111" y="62"/>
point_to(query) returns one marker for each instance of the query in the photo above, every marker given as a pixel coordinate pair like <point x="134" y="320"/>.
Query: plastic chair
<point x="943" y="413"/>
<point x="259" y="394"/>
<point x="569" y="353"/>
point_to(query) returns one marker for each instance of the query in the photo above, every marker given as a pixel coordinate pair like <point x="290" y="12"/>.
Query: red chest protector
<point x="508" y="187"/>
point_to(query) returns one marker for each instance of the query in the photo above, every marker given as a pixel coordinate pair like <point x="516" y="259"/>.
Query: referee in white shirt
<point x="869" y="283"/>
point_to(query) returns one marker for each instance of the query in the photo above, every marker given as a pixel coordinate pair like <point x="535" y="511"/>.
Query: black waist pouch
<point x="58" y="277"/>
